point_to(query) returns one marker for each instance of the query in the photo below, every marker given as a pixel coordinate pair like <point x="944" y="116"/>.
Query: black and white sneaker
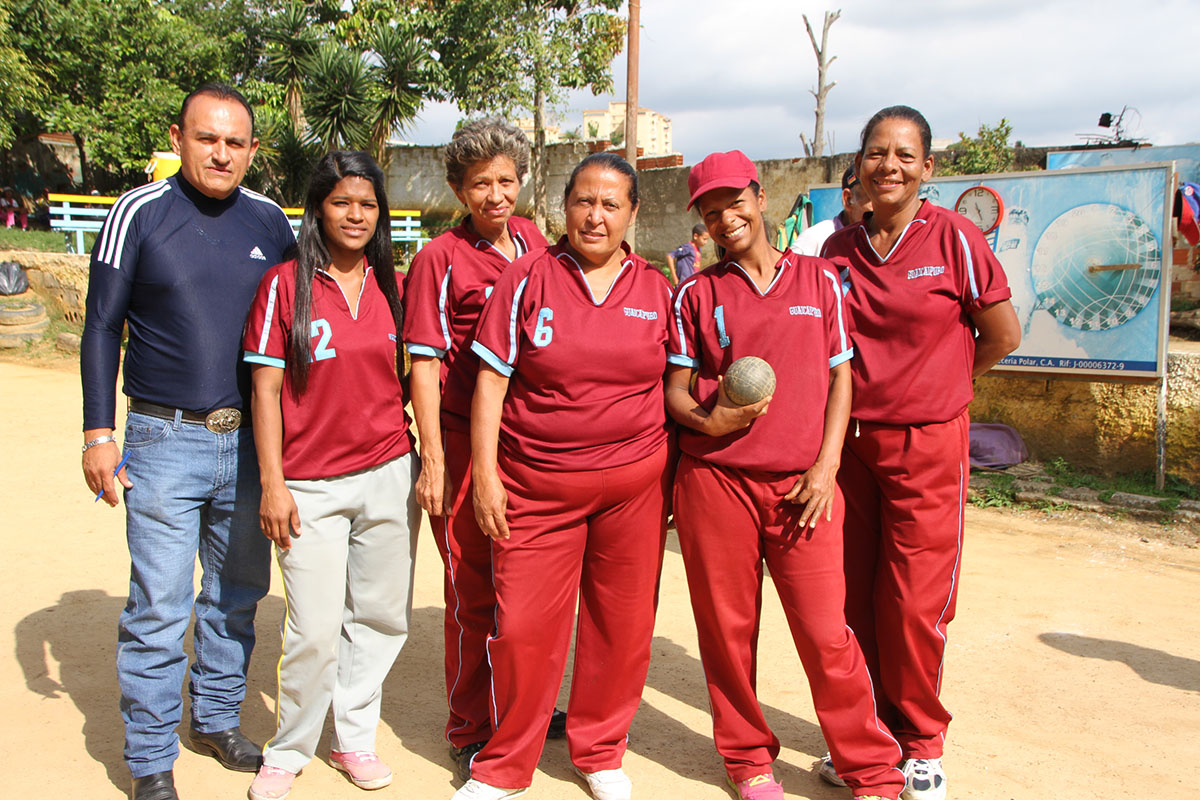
<point x="924" y="779"/>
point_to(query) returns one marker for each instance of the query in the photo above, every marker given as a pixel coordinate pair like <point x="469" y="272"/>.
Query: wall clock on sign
<point x="983" y="206"/>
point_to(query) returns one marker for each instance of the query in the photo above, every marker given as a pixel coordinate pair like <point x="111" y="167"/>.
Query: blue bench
<point x="406" y="226"/>
<point x="77" y="214"/>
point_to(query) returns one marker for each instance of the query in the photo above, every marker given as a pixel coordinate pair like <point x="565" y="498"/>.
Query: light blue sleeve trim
<point x="258" y="358"/>
<point x="683" y="361"/>
<point x="841" y="358"/>
<point x="424" y="350"/>
<point x="494" y="361"/>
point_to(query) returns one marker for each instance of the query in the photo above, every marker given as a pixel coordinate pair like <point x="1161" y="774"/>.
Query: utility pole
<point x="631" y="94"/>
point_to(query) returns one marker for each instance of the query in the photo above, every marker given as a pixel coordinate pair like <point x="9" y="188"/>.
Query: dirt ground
<point x="1073" y="671"/>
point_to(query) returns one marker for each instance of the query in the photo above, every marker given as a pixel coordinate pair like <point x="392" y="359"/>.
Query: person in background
<point x="855" y="203"/>
<point x="684" y="261"/>
<point x="12" y="208"/>
<point x="929" y="306"/>
<point x="179" y="260"/>
<point x="571" y="473"/>
<point x="445" y="291"/>
<point x="337" y="464"/>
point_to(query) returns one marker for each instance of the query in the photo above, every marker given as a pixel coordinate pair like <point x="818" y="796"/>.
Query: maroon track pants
<point x="730" y="522"/>
<point x="470" y="601"/>
<point x="596" y="536"/>
<point x="905" y="486"/>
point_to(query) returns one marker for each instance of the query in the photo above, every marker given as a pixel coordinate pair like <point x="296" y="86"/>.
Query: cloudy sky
<point x="738" y="74"/>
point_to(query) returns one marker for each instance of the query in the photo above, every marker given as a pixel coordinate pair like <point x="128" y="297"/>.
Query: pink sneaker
<point x="760" y="787"/>
<point x="365" y="769"/>
<point x="271" y="783"/>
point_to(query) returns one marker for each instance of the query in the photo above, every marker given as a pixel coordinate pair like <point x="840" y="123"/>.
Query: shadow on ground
<point x="79" y="632"/>
<point x="1155" y="666"/>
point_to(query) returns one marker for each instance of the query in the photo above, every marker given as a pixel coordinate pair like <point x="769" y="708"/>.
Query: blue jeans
<point x="194" y="493"/>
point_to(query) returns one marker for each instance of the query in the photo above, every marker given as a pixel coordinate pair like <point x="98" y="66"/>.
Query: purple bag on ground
<point x="996" y="446"/>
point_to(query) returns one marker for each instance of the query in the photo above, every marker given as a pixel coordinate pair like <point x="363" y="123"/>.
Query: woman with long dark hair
<point x="930" y="308"/>
<point x="337" y="465"/>
<point x="570" y="472"/>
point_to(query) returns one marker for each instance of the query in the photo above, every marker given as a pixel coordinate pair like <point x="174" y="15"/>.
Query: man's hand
<point x="98" y="465"/>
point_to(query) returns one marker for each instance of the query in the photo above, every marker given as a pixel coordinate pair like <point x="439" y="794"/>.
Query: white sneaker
<point x="478" y="790"/>
<point x="608" y="784"/>
<point x="924" y="779"/>
<point x="828" y="772"/>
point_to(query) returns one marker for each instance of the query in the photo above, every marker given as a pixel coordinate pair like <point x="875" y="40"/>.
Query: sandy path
<point x="1074" y="668"/>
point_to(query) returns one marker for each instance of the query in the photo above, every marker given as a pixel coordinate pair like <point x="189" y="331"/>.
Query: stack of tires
<point x="22" y="318"/>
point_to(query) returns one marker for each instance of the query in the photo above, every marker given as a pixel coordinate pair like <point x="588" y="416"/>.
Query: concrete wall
<point x="416" y="179"/>
<point x="1102" y="426"/>
<point x="61" y="277"/>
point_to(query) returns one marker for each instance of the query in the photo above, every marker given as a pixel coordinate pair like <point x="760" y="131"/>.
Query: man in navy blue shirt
<point x="178" y="260"/>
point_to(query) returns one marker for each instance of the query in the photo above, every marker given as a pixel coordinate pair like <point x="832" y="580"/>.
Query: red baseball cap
<point x="730" y="170"/>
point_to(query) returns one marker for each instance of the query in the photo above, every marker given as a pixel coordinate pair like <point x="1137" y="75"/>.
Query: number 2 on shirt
<point x="322" y="351"/>
<point x="543" y="333"/>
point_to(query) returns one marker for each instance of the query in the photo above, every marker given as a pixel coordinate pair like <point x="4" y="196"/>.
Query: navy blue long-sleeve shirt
<point x="181" y="268"/>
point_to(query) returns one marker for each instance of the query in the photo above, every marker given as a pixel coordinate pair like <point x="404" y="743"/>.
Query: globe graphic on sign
<point x="1095" y="267"/>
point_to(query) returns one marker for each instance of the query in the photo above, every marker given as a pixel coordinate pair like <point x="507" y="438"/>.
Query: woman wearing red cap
<point x="757" y="486"/>
<point x="570" y="471"/>
<point x="930" y="309"/>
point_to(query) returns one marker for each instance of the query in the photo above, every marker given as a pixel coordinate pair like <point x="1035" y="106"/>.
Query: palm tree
<point x="400" y="70"/>
<point x="292" y="43"/>
<point x="341" y="99"/>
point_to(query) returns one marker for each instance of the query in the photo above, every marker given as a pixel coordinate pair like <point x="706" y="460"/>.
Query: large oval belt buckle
<point x="223" y="420"/>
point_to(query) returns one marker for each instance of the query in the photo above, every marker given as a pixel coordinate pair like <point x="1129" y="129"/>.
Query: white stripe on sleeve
<point x="442" y="296"/>
<point x="122" y="218"/>
<point x="512" y="321"/>
<point x="270" y="315"/>
<point x="683" y="351"/>
<point x="966" y="248"/>
<point x="837" y="296"/>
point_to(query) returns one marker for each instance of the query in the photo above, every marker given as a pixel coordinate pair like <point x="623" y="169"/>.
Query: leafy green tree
<point x="19" y="86"/>
<point x="988" y="151"/>
<point x="113" y="72"/>
<point x="500" y="55"/>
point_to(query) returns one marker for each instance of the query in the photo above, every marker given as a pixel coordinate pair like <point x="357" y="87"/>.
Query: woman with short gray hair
<point x="447" y="285"/>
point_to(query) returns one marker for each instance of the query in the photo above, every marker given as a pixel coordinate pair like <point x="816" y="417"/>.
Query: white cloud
<point x="738" y="74"/>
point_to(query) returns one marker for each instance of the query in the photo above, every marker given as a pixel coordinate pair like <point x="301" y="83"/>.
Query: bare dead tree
<point x="814" y="148"/>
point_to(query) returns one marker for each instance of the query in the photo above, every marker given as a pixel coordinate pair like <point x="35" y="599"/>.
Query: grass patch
<point x="1000" y="491"/>
<point x="1174" y="489"/>
<point x="42" y="241"/>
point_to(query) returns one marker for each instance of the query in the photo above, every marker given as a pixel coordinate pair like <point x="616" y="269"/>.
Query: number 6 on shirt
<point x="543" y="333"/>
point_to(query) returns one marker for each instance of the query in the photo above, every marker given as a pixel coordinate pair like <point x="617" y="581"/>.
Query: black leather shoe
<point x="462" y="759"/>
<point x="558" y="725"/>
<point x="156" y="786"/>
<point x="230" y="747"/>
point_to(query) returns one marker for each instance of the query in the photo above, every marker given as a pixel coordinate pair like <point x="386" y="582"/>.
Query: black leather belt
<point x="220" y="420"/>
